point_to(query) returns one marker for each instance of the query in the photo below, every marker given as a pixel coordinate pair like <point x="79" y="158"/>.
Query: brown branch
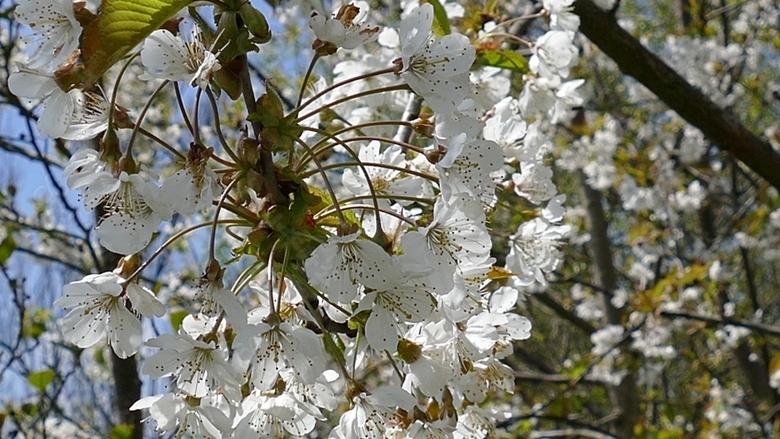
<point x="758" y="327"/>
<point x="624" y="396"/>
<point x="553" y="378"/>
<point x="719" y="125"/>
<point x="561" y="311"/>
<point x="6" y="145"/>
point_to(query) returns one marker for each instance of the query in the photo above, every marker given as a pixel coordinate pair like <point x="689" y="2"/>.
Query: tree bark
<point x="127" y="390"/>
<point x="719" y="125"/>
<point x="624" y="396"/>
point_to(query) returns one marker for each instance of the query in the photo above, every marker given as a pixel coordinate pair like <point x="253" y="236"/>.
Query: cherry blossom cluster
<point x="371" y="297"/>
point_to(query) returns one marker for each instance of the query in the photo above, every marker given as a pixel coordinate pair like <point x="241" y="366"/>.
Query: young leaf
<point x="41" y="379"/>
<point x="121" y="431"/>
<point x="7" y="246"/>
<point x="441" y="16"/>
<point x="120" y="26"/>
<point x="505" y="59"/>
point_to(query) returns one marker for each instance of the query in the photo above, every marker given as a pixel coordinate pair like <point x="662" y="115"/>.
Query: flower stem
<point x="170" y="241"/>
<point x="306" y="79"/>
<point x="349" y="98"/>
<point x="328" y="186"/>
<point x="213" y="237"/>
<point x="341" y="84"/>
<point x="218" y="129"/>
<point x="275" y="195"/>
<point x="141" y="117"/>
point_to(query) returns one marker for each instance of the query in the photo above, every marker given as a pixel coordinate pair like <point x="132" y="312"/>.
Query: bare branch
<point x="758" y="327"/>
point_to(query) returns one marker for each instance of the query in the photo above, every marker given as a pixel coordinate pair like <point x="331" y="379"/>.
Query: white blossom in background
<point x="774" y="380"/>
<point x="653" y="340"/>
<point x="731" y="335"/>
<point x="594" y="156"/>
<point x="534" y="250"/>
<point x="726" y="409"/>
<point x="562" y="16"/>
<point x="554" y="54"/>
<point x="638" y="198"/>
<point x="605" y="342"/>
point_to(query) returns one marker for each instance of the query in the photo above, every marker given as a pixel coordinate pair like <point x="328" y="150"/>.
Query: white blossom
<point x="372" y="414"/>
<point x="467" y="165"/>
<point x="203" y="419"/>
<point x="194" y="187"/>
<point x="553" y="54"/>
<point x="130" y="220"/>
<point x="344" y="262"/>
<point x="169" y="56"/>
<point x="55" y="28"/>
<point x="534" y="250"/>
<point x="199" y="368"/>
<point x="438" y="70"/>
<point x="99" y="306"/>
<point x="269" y="349"/>
<point x="58" y="105"/>
<point x="386" y="181"/>
<point x="561" y="15"/>
<point x="270" y="415"/>
<point x="345" y="29"/>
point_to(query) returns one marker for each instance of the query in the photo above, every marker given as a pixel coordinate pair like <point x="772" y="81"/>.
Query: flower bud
<point x="255" y="23"/>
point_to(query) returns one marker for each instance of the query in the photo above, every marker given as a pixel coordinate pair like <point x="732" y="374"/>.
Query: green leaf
<point x="177" y="317"/>
<point x="440" y="15"/>
<point x="41" y="379"/>
<point x="6" y="248"/>
<point x="121" y="26"/>
<point x="505" y="59"/>
<point x="34" y="322"/>
<point x="122" y="431"/>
